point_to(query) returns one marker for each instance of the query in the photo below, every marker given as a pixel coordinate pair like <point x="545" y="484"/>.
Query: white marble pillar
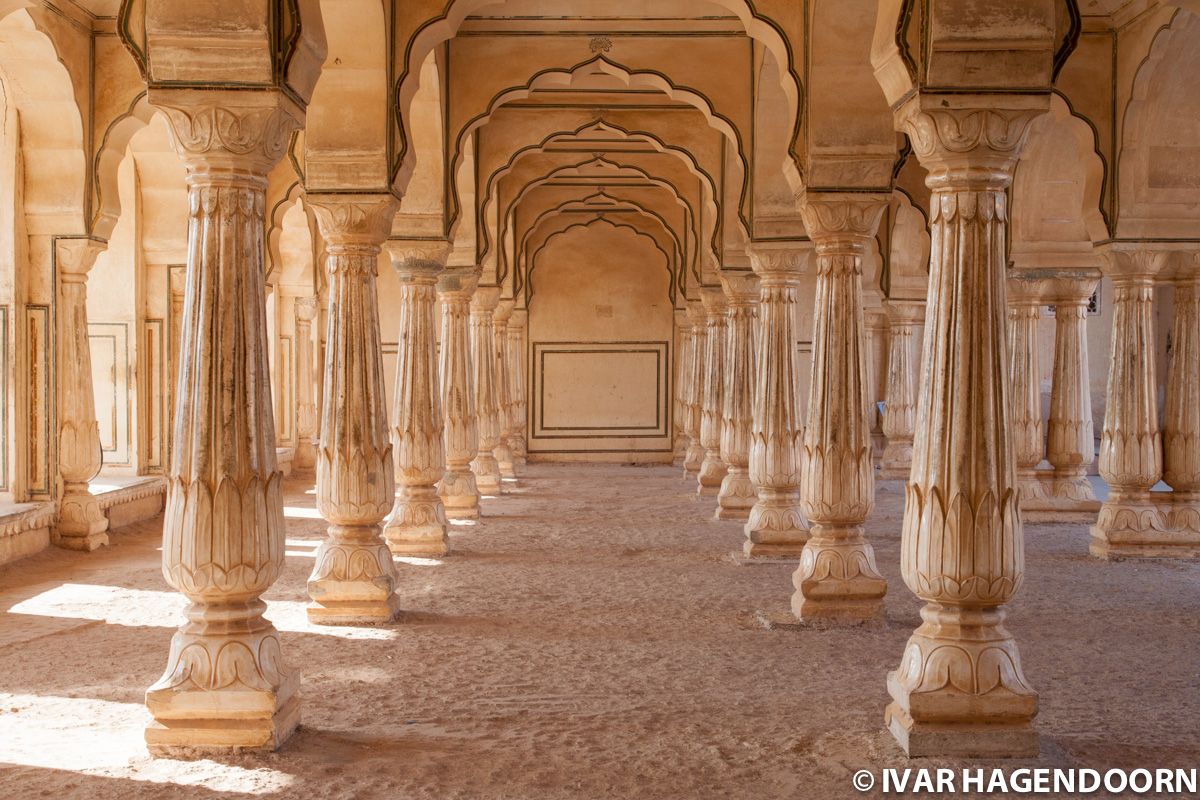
<point x="959" y="689"/>
<point x="487" y="407"/>
<point x="518" y="323"/>
<point x="418" y="524"/>
<point x="683" y="336"/>
<point x="712" y="387"/>
<point x="354" y="580"/>
<point x="503" y="451"/>
<point x="458" y="489"/>
<point x="693" y="388"/>
<point x="1067" y="495"/>
<point x="738" y="493"/>
<point x="1130" y="522"/>
<point x="81" y="522"/>
<point x="837" y="579"/>
<point x="1025" y="304"/>
<point x="777" y="526"/>
<point x="306" y="401"/>
<point x="876" y="329"/>
<point x="905" y="319"/>
<point x="226" y="684"/>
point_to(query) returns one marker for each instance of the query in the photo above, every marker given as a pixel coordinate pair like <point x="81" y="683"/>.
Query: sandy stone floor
<point x="591" y="639"/>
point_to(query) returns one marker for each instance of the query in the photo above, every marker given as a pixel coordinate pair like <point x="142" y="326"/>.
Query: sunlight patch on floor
<point x="105" y="739"/>
<point x="117" y="605"/>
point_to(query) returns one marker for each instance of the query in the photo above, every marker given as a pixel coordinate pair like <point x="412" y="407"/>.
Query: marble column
<point x="904" y="321"/>
<point x="1070" y="446"/>
<point x="692" y="388"/>
<point x="837" y="579"/>
<point x="81" y="522"/>
<point x="959" y="690"/>
<point x="503" y="451"/>
<point x="226" y="684"/>
<point x="418" y="524"/>
<point x="1181" y="416"/>
<point x="777" y="526"/>
<point x="306" y="401"/>
<point x="1025" y="303"/>
<point x="875" y="324"/>
<point x="683" y="336"/>
<point x="458" y="489"/>
<point x="712" y="387"/>
<point x="1131" y="445"/>
<point x="176" y="284"/>
<point x="354" y="579"/>
<point x="738" y="493"/>
<point x="517" y="325"/>
<point x="487" y="408"/>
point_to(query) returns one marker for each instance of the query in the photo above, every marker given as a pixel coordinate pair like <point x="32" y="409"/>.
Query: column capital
<point x="842" y="219"/>
<point x="458" y="281"/>
<point x="695" y="312"/>
<point x="741" y="288"/>
<point x="75" y="256"/>
<point x="713" y="299"/>
<point x="503" y="312"/>
<point x="306" y="308"/>
<point x="779" y="259"/>
<point x="229" y="131"/>
<point x="904" y="312"/>
<point x="485" y="299"/>
<point x="418" y="256"/>
<point x="1133" y="261"/>
<point x="969" y="139"/>
<point x="353" y="220"/>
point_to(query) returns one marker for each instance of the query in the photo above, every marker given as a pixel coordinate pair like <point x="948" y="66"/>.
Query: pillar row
<point x="712" y="405"/>
<point x="503" y="451"/>
<point x="693" y="382"/>
<point x="458" y="488"/>
<point x="487" y="400"/>
<point x="518" y="323"/>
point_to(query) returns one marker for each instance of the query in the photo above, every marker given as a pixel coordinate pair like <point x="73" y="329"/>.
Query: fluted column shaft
<point x="959" y="689"/>
<point x="516" y="387"/>
<point x="1181" y="416"/>
<point x="503" y="451"/>
<point x="458" y="488"/>
<point x="837" y="578"/>
<point x="683" y="336"/>
<point x="1070" y="443"/>
<point x="693" y="388"/>
<point x="738" y="493"/>
<point x="353" y="580"/>
<point x="900" y="418"/>
<point x="418" y="524"/>
<point x="226" y="684"/>
<point x="777" y="526"/>
<point x="1024" y="379"/>
<point x="81" y="522"/>
<point x="487" y="407"/>
<point x="712" y="399"/>
<point x="306" y="402"/>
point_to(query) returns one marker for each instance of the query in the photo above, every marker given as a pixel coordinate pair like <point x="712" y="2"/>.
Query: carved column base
<point x="692" y="459"/>
<point x="878" y="447"/>
<point x="777" y="527"/>
<point x="354" y="581"/>
<point x="712" y="472"/>
<point x="418" y="524"/>
<point x="226" y="688"/>
<point x="896" y="462"/>
<point x="737" y="495"/>
<point x="460" y="494"/>
<point x="959" y="691"/>
<point x="679" y="450"/>
<point x="1064" y="497"/>
<point x="487" y="474"/>
<point x="504" y="460"/>
<point x="837" y="580"/>
<point x="81" y="522"/>
<point x="1148" y="525"/>
<point x="520" y="451"/>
